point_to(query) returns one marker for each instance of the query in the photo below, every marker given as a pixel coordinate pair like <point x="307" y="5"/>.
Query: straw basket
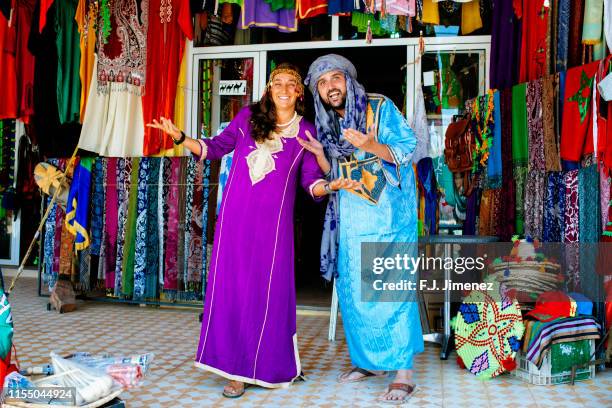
<point x="528" y="277"/>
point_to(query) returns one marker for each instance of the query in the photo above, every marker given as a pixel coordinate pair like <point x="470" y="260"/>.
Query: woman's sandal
<point x="343" y="378"/>
<point x="238" y="391"/>
<point x="407" y="388"/>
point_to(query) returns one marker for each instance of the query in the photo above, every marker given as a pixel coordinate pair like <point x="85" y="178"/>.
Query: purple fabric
<point x="110" y="231"/>
<point x="251" y="277"/>
<point x="505" y="39"/>
<point x="258" y="13"/>
<point x="171" y="255"/>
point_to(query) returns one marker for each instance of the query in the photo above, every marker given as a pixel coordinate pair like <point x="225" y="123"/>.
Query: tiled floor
<point x="174" y="382"/>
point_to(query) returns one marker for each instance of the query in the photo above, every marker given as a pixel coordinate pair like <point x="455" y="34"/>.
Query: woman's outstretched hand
<point x="166" y="126"/>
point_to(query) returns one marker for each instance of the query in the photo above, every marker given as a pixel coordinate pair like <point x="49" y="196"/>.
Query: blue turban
<point x="334" y="144"/>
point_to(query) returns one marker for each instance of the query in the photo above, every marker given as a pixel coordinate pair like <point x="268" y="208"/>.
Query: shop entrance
<point x="380" y="70"/>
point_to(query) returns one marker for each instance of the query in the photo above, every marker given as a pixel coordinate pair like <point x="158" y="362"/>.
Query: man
<point x="369" y="132"/>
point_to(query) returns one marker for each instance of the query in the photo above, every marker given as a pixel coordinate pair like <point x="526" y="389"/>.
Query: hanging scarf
<point x="604" y="195"/>
<point x="205" y="246"/>
<point x="576" y="137"/>
<point x="180" y="248"/>
<point x="470" y="225"/>
<point x="551" y="154"/>
<point x="111" y="226"/>
<point x="420" y="127"/>
<point x="123" y="181"/>
<point x="77" y="207"/>
<point x="196" y="249"/>
<point x="333" y="142"/>
<point x="162" y="211"/>
<point x="593" y="20"/>
<point x="589" y="211"/>
<point x="489" y="212"/>
<point x="563" y="31"/>
<point x="470" y="17"/>
<point x="494" y="164"/>
<point x="85" y="269"/>
<point x="575" y="35"/>
<point x="555" y="208"/>
<point x="428" y="189"/>
<point x="503" y="38"/>
<point x="534" y="203"/>
<point x="152" y="237"/>
<point x="97" y="205"/>
<point x="508" y="210"/>
<point x="519" y="125"/>
<point x="140" y="255"/>
<point x="535" y="126"/>
<point x="534" y="47"/>
<point x="127" y="277"/>
<point x="189" y="198"/>
<point x="171" y="177"/>
<point x="430" y="13"/>
<point x="572" y="214"/>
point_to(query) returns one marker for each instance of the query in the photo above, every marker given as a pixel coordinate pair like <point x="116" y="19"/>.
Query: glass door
<point x="224" y="84"/>
<point x="448" y="78"/>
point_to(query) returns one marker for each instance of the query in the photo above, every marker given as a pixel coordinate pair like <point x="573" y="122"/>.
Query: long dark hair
<point x="263" y="113"/>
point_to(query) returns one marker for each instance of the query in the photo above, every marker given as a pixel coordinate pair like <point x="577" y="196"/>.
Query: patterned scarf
<point x="97" y="205"/>
<point x="127" y="277"/>
<point x="124" y="167"/>
<point x="534" y="204"/>
<point x="182" y="206"/>
<point x="140" y="255"/>
<point x="563" y="30"/>
<point x="555" y="208"/>
<point x="196" y="245"/>
<point x="336" y="147"/>
<point x="189" y="209"/>
<point x="153" y="259"/>
<point x="171" y="177"/>
<point x="588" y="196"/>
<point x="535" y="125"/>
<point x="112" y="221"/>
<point x="205" y="253"/>
<point x="520" y="152"/>
<point x="551" y="153"/>
<point x="508" y="209"/>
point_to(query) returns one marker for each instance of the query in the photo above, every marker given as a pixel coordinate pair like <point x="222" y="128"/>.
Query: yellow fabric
<point x="470" y="17"/>
<point x="431" y="14"/>
<point x="86" y="22"/>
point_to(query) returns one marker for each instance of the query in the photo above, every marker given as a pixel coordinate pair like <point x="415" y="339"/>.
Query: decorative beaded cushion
<point x="488" y="331"/>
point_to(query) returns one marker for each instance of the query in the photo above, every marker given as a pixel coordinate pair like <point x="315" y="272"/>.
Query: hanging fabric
<point x="533" y="41"/>
<point x="554" y="208"/>
<point x="520" y="150"/>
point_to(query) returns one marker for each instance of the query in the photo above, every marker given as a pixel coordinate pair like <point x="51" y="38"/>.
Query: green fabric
<point x="276" y="5"/>
<point x="565" y="355"/>
<point x="520" y="151"/>
<point x="238" y="2"/>
<point x="360" y="21"/>
<point x="593" y="22"/>
<point x="68" y="44"/>
<point x="127" y="276"/>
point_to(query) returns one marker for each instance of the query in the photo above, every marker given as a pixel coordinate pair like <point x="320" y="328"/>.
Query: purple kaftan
<point x="248" y="328"/>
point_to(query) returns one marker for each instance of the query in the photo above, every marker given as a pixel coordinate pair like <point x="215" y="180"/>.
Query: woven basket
<point x="529" y="277"/>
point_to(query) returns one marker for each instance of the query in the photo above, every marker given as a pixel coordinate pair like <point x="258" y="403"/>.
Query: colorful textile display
<point x="488" y="331"/>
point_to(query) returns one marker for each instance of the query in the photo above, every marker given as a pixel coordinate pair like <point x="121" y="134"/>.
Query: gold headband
<point x="289" y="71"/>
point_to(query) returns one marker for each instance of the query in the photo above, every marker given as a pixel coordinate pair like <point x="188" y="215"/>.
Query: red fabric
<point x="8" y="73"/>
<point x="24" y="12"/>
<point x="533" y="41"/>
<point x="551" y="306"/>
<point x="6" y="367"/>
<point x="604" y="122"/>
<point x="165" y="46"/>
<point x="42" y="18"/>
<point x="517" y="5"/>
<point x="311" y="8"/>
<point x="577" y="128"/>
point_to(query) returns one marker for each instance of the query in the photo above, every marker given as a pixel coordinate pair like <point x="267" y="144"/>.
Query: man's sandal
<point x="343" y="378"/>
<point x="238" y="391"/>
<point x="406" y="388"/>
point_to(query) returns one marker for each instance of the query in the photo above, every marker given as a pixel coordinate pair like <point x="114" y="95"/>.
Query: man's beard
<point x="329" y="105"/>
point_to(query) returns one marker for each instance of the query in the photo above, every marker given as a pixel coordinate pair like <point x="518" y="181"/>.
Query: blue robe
<point x="380" y="335"/>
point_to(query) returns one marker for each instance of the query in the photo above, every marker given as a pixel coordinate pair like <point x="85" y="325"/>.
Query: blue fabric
<point x="97" y="205"/>
<point x="140" y="253"/>
<point x="340" y="6"/>
<point x="380" y="335"/>
<point x="429" y="184"/>
<point x="336" y="147"/>
<point x="554" y="208"/>
<point x="562" y="75"/>
<point x="494" y="163"/>
<point x="584" y="305"/>
<point x="564" y="8"/>
<point x="152" y="228"/>
<point x="77" y="207"/>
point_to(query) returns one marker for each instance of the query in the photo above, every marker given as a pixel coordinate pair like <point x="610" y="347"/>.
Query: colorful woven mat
<point x="488" y="331"/>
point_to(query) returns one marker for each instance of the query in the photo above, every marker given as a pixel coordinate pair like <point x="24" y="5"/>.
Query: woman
<point x="248" y="328"/>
